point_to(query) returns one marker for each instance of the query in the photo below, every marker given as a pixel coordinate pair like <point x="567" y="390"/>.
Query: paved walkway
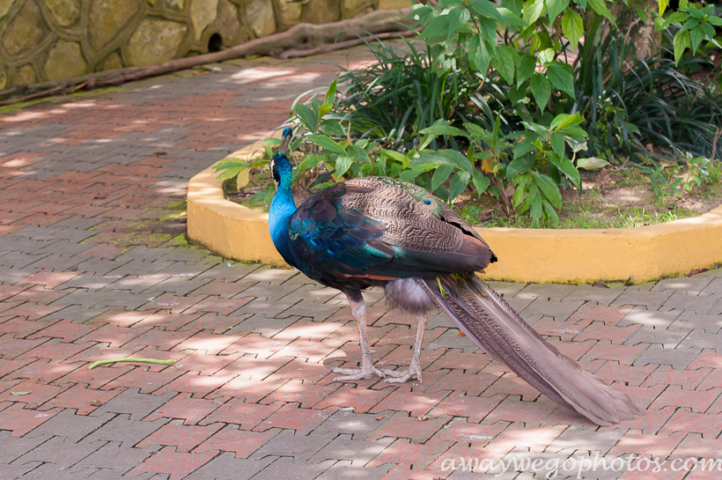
<point x="94" y="265"/>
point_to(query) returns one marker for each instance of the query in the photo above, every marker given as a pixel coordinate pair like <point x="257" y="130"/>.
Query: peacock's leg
<point x="367" y="370"/>
<point x="415" y="365"/>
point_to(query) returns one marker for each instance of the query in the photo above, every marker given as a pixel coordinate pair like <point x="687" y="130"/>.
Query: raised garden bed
<point x="526" y="255"/>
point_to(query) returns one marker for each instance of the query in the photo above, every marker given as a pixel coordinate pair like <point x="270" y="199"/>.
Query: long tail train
<point x="494" y="326"/>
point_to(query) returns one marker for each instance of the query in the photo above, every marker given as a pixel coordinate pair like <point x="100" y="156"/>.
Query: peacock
<point x="378" y="231"/>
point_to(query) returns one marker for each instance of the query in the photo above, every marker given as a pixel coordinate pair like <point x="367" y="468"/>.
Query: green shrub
<point x="492" y="102"/>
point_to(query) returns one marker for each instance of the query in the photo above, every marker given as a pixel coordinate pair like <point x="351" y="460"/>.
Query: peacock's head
<point x="280" y="164"/>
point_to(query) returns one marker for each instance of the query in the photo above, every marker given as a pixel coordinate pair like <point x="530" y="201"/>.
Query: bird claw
<point x="403" y="375"/>
<point x="353" y="374"/>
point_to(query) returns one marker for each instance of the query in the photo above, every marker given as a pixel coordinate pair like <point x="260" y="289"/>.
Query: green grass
<point x="633" y="218"/>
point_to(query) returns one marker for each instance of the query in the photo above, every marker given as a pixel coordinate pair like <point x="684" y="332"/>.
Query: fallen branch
<point x="144" y="360"/>
<point x="329" y="47"/>
<point x="310" y="38"/>
<point x="43" y="93"/>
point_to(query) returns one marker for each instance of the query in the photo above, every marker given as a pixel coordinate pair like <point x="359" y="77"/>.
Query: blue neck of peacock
<point x="279" y="216"/>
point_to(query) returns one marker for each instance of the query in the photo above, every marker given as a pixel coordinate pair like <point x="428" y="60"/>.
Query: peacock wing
<point x="382" y="228"/>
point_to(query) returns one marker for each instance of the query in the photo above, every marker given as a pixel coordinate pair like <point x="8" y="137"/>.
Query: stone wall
<point x="44" y="40"/>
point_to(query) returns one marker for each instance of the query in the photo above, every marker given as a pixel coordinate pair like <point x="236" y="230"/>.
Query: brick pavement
<point x="94" y="265"/>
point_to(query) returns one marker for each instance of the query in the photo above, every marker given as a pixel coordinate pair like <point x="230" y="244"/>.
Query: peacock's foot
<point x="352" y="374"/>
<point x="404" y="375"/>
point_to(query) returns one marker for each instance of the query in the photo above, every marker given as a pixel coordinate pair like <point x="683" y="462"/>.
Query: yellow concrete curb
<point x="525" y="255"/>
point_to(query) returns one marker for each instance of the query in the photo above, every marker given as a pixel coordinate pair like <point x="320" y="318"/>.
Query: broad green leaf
<point x="681" y="42"/>
<point x="534" y="43"/>
<point x="411" y="173"/>
<point x="311" y="161"/>
<point x="642" y="14"/>
<point x="564" y="120"/>
<point x="343" y="163"/>
<point x="674" y="17"/>
<point x="19" y="394"/>
<point x="487" y="28"/>
<point x="232" y="172"/>
<point x="696" y="35"/>
<point x="575" y="133"/>
<point x="229" y="163"/>
<point x="556" y="7"/>
<point x="696" y="13"/>
<point x="572" y="27"/>
<point x="548" y="188"/>
<point x="561" y="76"/>
<point x="437" y="130"/>
<point x="708" y="30"/>
<point x="441" y="175"/>
<point x="526" y="69"/>
<point x="689" y="24"/>
<point x="600" y="7"/>
<point x="366" y="170"/>
<point x="436" y="30"/>
<point x="551" y="213"/>
<point x="331" y="128"/>
<point x="716" y="21"/>
<point x="662" y="6"/>
<point x="324" y="142"/>
<point x="358" y="154"/>
<point x="566" y="167"/>
<point x="458" y="184"/>
<point x="396" y="169"/>
<point x="540" y="130"/>
<point x="546" y="56"/>
<point x="520" y="192"/>
<point x="536" y="203"/>
<point x="485" y="8"/>
<point x="533" y="10"/>
<point x="504" y="63"/>
<point x="592" y="163"/>
<point x="330" y="93"/>
<point x="399" y="157"/>
<point x="478" y="54"/>
<point x="524" y="147"/>
<point x="457" y="159"/>
<point x="481" y="182"/>
<point x="475" y="131"/>
<point x="541" y="90"/>
<point x="307" y="116"/>
<point x="510" y="18"/>
<point x="557" y="141"/>
<point x="519" y="166"/>
<point x="457" y="17"/>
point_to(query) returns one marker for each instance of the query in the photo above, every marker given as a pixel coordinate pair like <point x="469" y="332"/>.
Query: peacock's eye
<point x="427" y="202"/>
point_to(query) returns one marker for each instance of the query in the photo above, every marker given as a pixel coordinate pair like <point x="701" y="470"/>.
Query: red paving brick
<point x="231" y="439"/>
<point x="20" y="420"/>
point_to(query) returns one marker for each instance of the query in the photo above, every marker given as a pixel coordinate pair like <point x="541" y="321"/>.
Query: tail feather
<point x="493" y="325"/>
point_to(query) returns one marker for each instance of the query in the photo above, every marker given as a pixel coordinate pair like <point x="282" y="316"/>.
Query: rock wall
<point x="44" y="40"/>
